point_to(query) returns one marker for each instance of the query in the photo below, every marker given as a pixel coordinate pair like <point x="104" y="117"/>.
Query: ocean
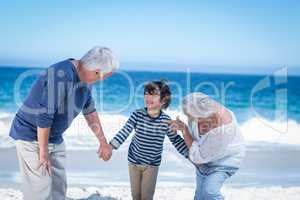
<point x="267" y="108"/>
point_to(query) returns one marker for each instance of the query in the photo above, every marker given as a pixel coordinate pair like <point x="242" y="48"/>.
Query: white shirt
<point x="223" y="145"/>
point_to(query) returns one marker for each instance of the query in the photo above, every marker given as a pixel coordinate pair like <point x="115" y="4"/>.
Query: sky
<point x="163" y="35"/>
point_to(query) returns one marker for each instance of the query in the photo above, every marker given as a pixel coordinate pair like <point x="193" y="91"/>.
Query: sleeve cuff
<point x="194" y="154"/>
<point x="44" y="121"/>
<point x="114" y="143"/>
<point x="186" y="154"/>
<point x="88" y="112"/>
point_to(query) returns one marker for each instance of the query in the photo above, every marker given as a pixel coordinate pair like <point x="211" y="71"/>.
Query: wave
<point x="256" y="131"/>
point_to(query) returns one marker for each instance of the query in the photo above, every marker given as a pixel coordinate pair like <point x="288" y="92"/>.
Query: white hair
<point x="100" y="58"/>
<point x="198" y="104"/>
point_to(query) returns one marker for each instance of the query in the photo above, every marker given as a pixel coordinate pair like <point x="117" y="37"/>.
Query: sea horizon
<point x="293" y="71"/>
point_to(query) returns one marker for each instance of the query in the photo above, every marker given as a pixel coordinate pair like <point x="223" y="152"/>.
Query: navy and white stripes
<point x="147" y="144"/>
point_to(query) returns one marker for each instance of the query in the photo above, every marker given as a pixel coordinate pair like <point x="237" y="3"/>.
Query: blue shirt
<point x="55" y="99"/>
<point x="146" y="146"/>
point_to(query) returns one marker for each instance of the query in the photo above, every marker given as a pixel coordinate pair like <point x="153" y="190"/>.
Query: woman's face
<point x="204" y="125"/>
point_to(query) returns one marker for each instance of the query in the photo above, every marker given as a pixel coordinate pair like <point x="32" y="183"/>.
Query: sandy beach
<point x="269" y="171"/>
<point x="167" y="193"/>
<point x="93" y="179"/>
<point x="60" y="61"/>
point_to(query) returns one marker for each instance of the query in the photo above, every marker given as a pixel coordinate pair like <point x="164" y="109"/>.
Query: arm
<point x="105" y="150"/>
<point x="95" y="125"/>
<point x="93" y="121"/>
<point x="123" y="134"/>
<point x="49" y="102"/>
<point x="176" y="125"/>
<point x="187" y="136"/>
<point x="178" y="143"/>
<point x="213" y="144"/>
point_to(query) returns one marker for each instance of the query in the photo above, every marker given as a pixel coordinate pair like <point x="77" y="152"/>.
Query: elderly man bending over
<point x="215" y="143"/>
<point x="55" y="99"/>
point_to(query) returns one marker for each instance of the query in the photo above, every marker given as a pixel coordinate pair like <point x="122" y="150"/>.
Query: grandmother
<point x="216" y="145"/>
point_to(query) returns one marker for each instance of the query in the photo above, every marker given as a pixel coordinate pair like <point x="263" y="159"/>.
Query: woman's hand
<point x="177" y="125"/>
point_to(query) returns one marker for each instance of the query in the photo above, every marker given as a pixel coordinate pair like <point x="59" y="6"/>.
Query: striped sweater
<point x="147" y="144"/>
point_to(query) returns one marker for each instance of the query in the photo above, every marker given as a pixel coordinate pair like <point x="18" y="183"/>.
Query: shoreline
<point x="259" y="169"/>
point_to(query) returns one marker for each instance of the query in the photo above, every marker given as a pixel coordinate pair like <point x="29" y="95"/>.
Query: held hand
<point x="105" y="151"/>
<point x="177" y="125"/>
<point x="44" y="162"/>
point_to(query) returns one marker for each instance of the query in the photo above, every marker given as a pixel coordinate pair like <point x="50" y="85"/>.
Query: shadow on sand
<point x="95" y="196"/>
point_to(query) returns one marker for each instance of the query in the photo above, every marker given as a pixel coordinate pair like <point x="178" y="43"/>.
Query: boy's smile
<point x="152" y="101"/>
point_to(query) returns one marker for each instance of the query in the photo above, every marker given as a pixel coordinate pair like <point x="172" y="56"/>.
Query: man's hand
<point x="44" y="162"/>
<point x="177" y="125"/>
<point x="105" y="151"/>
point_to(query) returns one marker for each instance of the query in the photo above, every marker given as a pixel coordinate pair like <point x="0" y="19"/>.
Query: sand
<point x="167" y="193"/>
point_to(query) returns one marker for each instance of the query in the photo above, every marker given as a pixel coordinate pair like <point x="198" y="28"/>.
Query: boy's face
<point x="152" y="101"/>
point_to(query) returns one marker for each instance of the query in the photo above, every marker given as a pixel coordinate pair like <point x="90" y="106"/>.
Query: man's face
<point x="91" y="77"/>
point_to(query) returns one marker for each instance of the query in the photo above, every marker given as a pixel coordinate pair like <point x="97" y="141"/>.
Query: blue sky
<point x="202" y="35"/>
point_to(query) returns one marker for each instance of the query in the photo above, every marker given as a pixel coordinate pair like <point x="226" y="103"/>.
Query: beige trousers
<point x="36" y="183"/>
<point x="142" y="181"/>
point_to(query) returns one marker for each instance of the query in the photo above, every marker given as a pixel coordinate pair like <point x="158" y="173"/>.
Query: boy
<point x="144" y="154"/>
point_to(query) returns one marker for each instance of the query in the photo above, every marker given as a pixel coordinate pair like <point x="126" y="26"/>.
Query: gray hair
<point x="198" y="104"/>
<point x="100" y="58"/>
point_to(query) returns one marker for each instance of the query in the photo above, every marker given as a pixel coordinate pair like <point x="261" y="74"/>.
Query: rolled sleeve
<point x="195" y="153"/>
<point x="47" y="106"/>
<point x="45" y="120"/>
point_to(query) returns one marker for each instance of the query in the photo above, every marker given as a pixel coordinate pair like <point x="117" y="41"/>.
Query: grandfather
<point x="55" y="99"/>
